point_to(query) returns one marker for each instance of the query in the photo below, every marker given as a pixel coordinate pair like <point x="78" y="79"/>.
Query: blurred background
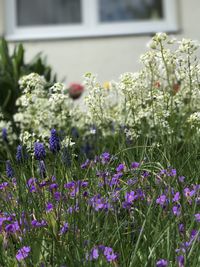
<point x="105" y="37"/>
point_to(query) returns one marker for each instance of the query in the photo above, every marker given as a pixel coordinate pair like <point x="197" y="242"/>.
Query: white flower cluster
<point x="41" y="108"/>
<point x="194" y="120"/>
<point x="101" y="103"/>
<point x="162" y="99"/>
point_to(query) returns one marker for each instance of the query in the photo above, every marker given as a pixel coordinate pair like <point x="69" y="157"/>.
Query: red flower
<point x="75" y="90"/>
<point x="176" y="87"/>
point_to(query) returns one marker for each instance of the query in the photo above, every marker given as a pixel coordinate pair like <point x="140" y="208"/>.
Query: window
<point x="48" y="12"/>
<point x="130" y="10"/>
<point x="40" y="19"/>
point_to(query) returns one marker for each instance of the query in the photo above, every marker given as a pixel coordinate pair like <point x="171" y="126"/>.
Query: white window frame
<point x="90" y="27"/>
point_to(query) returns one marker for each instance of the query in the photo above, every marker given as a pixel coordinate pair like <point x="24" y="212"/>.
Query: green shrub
<point x="12" y="67"/>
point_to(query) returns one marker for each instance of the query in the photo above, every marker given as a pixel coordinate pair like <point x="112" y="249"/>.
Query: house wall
<point x="108" y="57"/>
<point x="1" y="17"/>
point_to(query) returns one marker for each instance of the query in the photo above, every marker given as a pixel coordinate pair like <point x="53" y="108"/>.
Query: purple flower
<point x="23" y="253"/>
<point x="189" y="193"/>
<point x="64" y="229"/>
<point x="169" y="172"/>
<point x="53" y="178"/>
<point x="161" y="200"/>
<point x="32" y="184"/>
<point x="54" y="142"/>
<point x="196" y="187"/>
<point x="12" y="228"/>
<point x="33" y="189"/>
<point x="14" y="181"/>
<point x="39" y="151"/>
<point x="9" y="170"/>
<point x="97" y="202"/>
<point x="100" y="203"/>
<point x="126" y="205"/>
<point x="145" y="174"/>
<point x="74" y="192"/>
<point x="57" y="196"/>
<point x="53" y="186"/>
<point x="49" y="207"/>
<point x="140" y="194"/>
<point x="120" y="167"/>
<point x="4" y="135"/>
<point x="115" y="195"/>
<point x="43" y="183"/>
<point x="94" y="254"/>
<point x="162" y="263"/>
<point x="109" y="254"/>
<point x="162" y="172"/>
<point x="115" y="179"/>
<point x="101" y="248"/>
<point x="85" y="194"/>
<point x="36" y="223"/>
<point x="86" y="164"/>
<point x="70" y="185"/>
<point x="172" y="172"/>
<point x="181" y="228"/>
<point x="130" y="197"/>
<point x="197" y="217"/>
<point x="177" y="210"/>
<point x="3" y="185"/>
<point x="135" y="165"/>
<point x="75" y="208"/>
<point x="31" y="181"/>
<point x="75" y="186"/>
<point x="82" y="183"/>
<point x="180" y="260"/>
<point x="176" y="197"/>
<point x="105" y="157"/>
<point x="193" y="234"/>
<point x="184" y="246"/>
<point x="181" y="179"/>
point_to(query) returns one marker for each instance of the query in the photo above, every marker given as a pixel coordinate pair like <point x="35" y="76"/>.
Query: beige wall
<point x="108" y="57"/>
<point x="1" y="17"/>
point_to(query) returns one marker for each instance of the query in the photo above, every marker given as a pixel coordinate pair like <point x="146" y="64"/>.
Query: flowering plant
<point x="124" y="205"/>
<point x="40" y="110"/>
<point x="163" y="97"/>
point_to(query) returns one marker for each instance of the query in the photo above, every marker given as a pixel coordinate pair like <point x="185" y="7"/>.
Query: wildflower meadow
<point x="113" y="181"/>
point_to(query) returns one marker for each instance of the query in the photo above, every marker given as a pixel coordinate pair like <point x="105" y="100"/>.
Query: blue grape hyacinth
<point x="9" y="170"/>
<point x="54" y="141"/>
<point x="4" y="135"/>
<point x="19" y="154"/>
<point x="39" y="151"/>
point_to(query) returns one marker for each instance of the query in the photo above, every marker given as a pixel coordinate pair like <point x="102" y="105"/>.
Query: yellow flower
<point x="106" y="85"/>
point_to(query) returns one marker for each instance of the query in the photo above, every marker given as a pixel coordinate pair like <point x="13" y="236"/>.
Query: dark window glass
<point x="48" y="12"/>
<point x="128" y="10"/>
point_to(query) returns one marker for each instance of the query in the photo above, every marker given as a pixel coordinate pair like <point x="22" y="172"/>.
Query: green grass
<point x="140" y="235"/>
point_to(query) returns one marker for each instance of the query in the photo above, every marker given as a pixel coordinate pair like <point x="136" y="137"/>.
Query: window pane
<point x="47" y="12"/>
<point x="127" y="10"/>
